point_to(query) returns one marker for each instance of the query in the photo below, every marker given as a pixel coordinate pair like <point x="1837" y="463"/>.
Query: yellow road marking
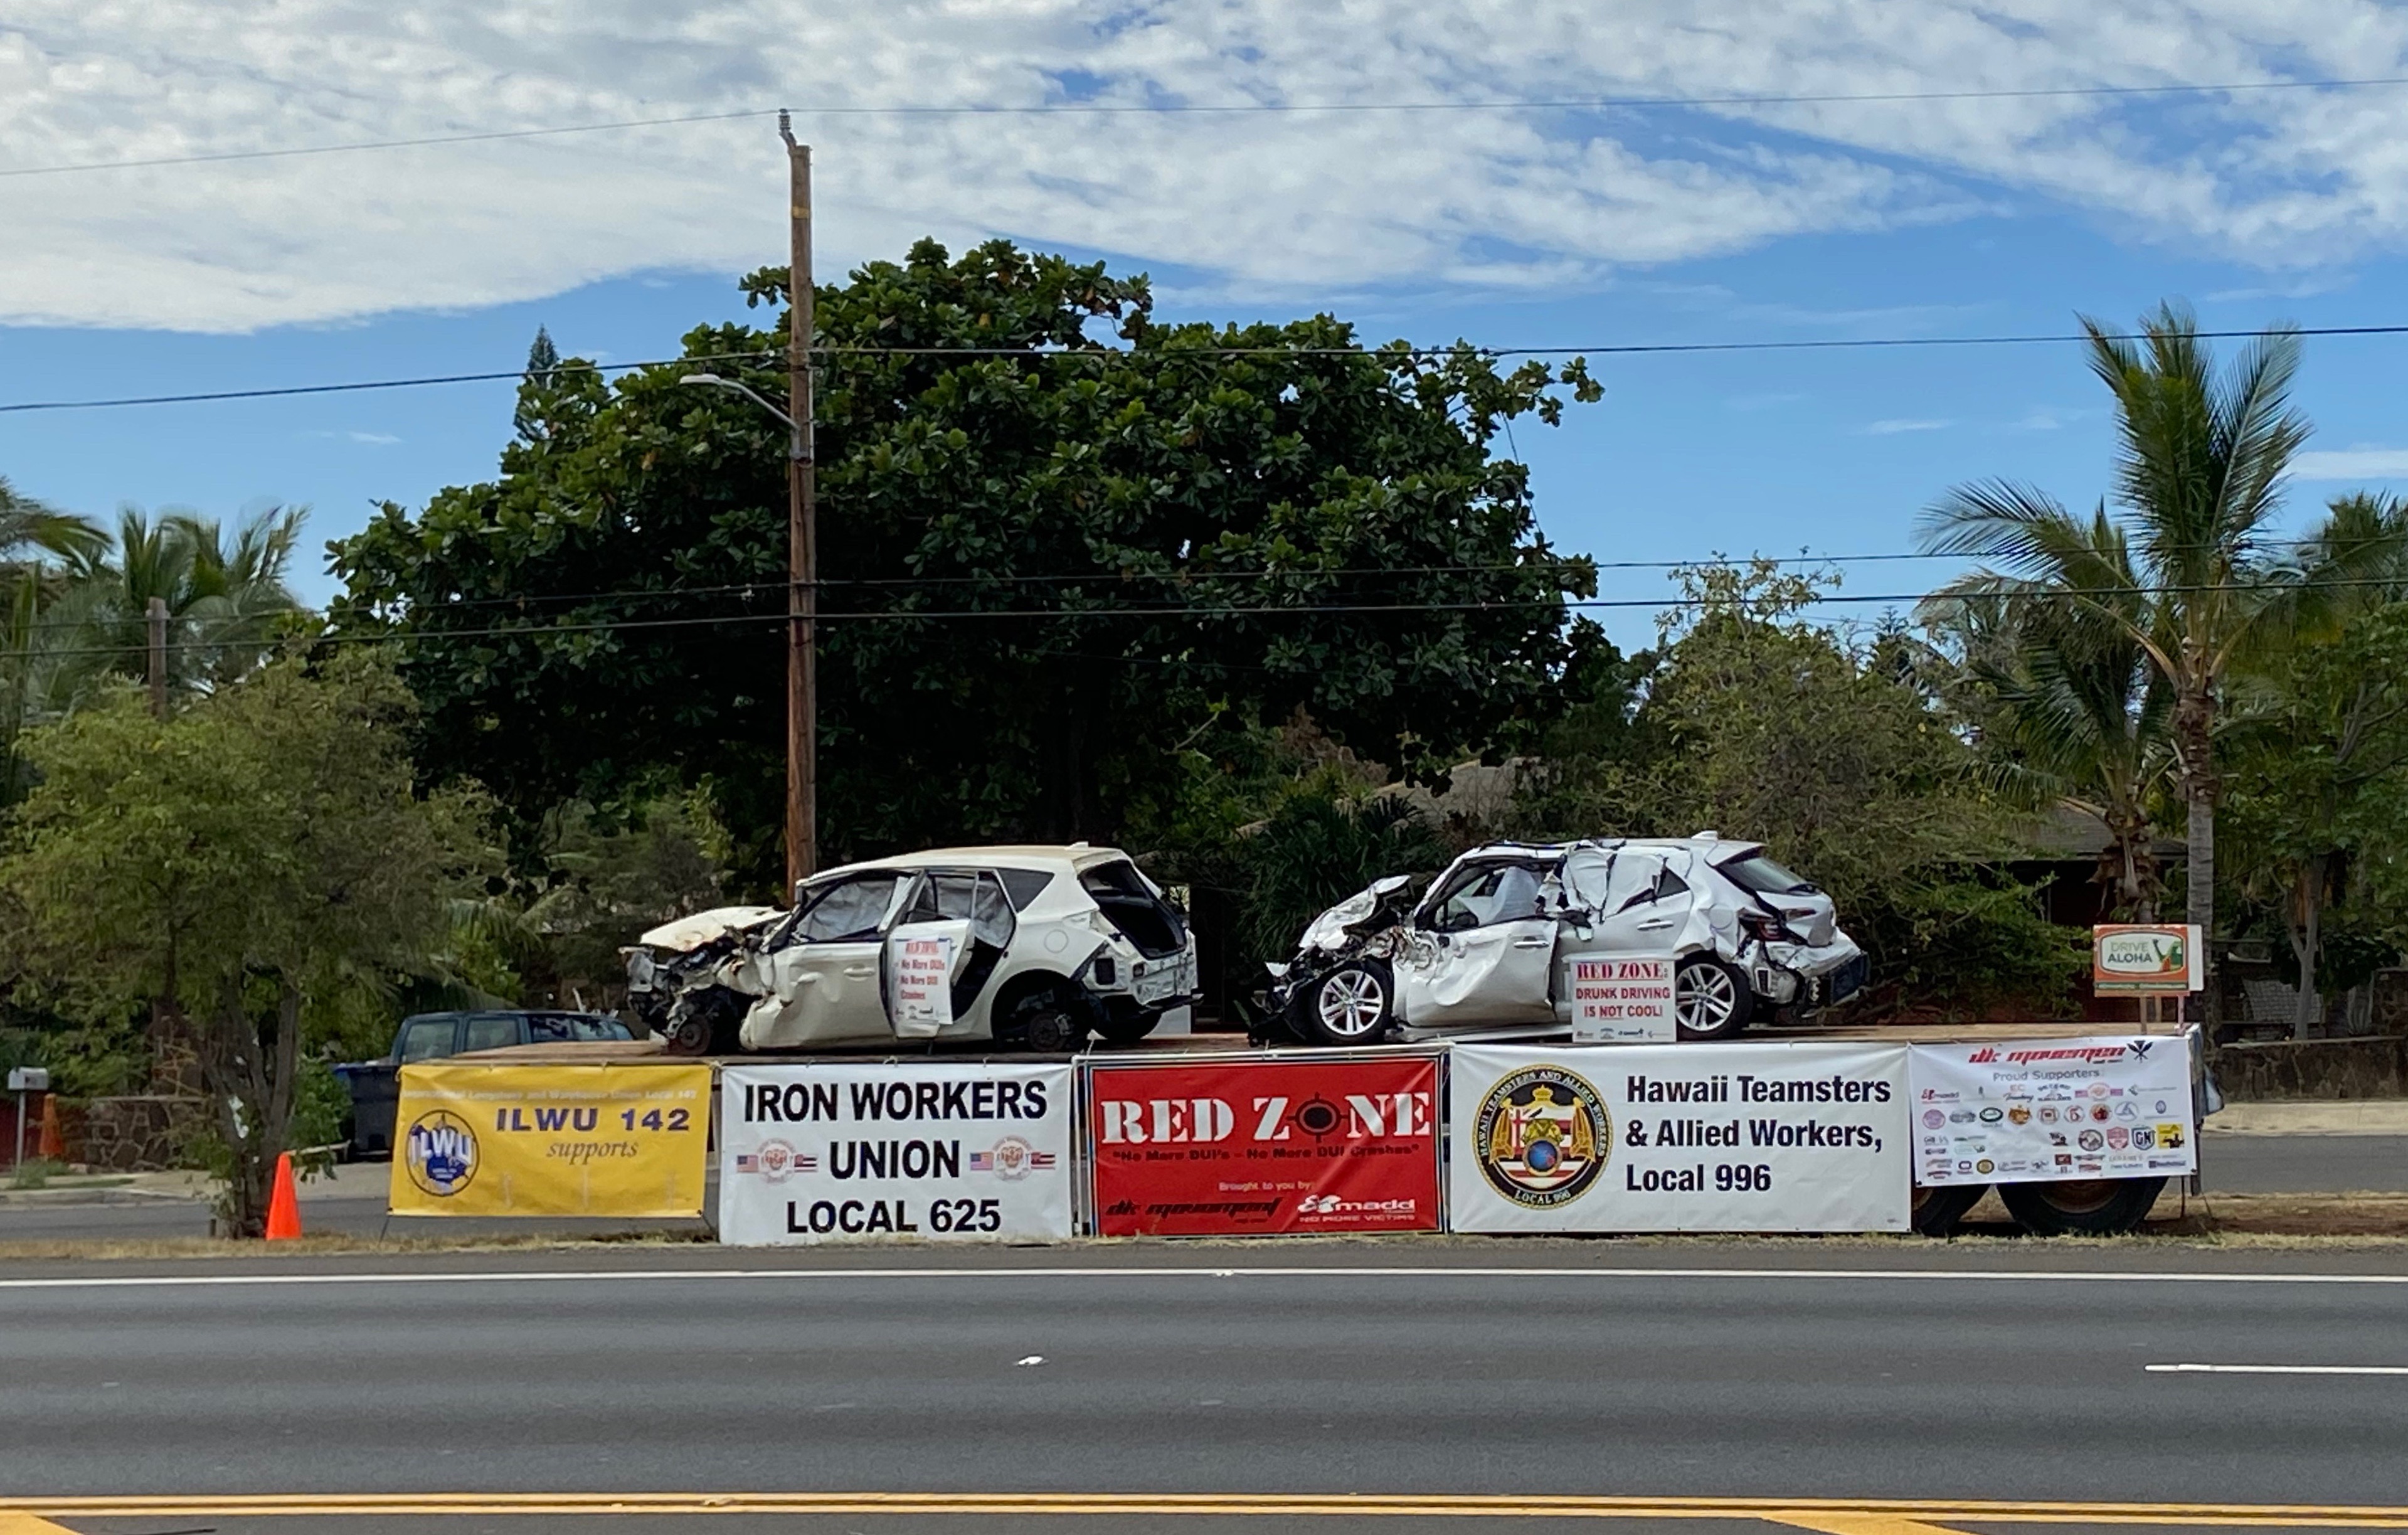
<point x="1859" y="1524"/>
<point x="25" y="1524"/>
<point x="1828" y="1515"/>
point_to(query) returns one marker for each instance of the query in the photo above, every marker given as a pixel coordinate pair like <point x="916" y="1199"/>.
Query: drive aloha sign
<point x="2134" y="959"/>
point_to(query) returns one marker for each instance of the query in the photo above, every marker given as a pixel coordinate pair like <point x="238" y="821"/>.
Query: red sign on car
<point x="1232" y="1148"/>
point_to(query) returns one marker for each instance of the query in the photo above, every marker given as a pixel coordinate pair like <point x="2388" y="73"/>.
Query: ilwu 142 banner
<point x="1679" y="1138"/>
<point x="2112" y="1106"/>
<point x="846" y="1151"/>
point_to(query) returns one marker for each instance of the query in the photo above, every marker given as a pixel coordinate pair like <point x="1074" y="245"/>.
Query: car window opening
<point x="1759" y="873"/>
<point x="1140" y="916"/>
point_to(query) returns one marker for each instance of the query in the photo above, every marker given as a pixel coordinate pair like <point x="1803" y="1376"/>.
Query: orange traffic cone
<point x="284" y="1205"/>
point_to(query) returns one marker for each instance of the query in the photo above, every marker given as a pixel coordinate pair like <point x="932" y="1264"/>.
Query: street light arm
<point x="712" y="381"/>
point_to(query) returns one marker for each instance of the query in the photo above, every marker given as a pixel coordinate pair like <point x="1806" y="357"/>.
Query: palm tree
<point x="2069" y="709"/>
<point x="226" y="598"/>
<point x="2198" y="479"/>
<point x="33" y="537"/>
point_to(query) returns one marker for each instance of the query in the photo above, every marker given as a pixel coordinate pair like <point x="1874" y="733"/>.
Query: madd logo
<point x="440" y="1153"/>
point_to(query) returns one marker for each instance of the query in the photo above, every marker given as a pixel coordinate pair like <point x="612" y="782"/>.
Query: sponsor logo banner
<point x="1250" y="1146"/>
<point x="843" y="1151"/>
<point x="1679" y="1138"/>
<point x="626" y="1141"/>
<point x="2042" y="1109"/>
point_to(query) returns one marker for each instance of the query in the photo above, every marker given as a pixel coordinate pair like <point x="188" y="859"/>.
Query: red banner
<point x="1246" y="1147"/>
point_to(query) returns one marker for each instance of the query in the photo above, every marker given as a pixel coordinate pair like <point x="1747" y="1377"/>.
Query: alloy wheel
<point x="1704" y="997"/>
<point x="1351" y="1004"/>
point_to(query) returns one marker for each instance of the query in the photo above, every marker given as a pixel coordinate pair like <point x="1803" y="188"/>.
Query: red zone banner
<point x="1248" y="1147"/>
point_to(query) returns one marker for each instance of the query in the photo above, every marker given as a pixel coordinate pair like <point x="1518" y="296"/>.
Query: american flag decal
<point x="747" y="1163"/>
<point x="982" y="1161"/>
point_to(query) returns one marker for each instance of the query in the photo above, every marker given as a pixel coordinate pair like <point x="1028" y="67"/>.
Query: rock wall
<point x="2364" y="1068"/>
<point x="144" y="1134"/>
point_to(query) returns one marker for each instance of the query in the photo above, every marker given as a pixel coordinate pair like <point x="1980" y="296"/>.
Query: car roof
<point x="1058" y="856"/>
<point x="1716" y="849"/>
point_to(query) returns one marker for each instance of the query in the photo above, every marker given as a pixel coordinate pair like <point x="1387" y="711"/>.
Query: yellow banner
<point x="550" y="1140"/>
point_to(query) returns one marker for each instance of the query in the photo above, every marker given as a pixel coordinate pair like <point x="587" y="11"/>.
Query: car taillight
<point x="1765" y="927"/>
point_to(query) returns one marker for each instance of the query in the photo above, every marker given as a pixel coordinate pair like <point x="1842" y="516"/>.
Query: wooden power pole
<point x="155" y="616"/>
<point x="802" y="534"/>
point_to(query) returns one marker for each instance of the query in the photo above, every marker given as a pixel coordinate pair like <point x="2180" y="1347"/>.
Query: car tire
<point x="1353" y="1004"/>
<point x="690" y="1036"/>
<point x="2088" y="1207"/>
<point x="1125" y="1031"/>
<point x="1709" y="999"/>
<point x="1938" y="1210"/>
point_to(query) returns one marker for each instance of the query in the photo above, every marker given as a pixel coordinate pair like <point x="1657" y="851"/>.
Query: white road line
<point x="2276" y="1370"/>
<point x="992" y="1275"/>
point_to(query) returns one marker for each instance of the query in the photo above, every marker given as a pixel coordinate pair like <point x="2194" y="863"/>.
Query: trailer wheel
<point x="2089" y="1207"/>
<point x="1937" y="1211"/>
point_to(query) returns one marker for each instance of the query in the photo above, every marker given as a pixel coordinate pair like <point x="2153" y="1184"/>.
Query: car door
<point x="819" y="985"/>
<point x="1485" y="955"/>
<point x="969" y="914"/>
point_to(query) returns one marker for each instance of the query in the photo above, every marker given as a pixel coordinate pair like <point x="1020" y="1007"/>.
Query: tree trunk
<point x="2194" y="727"/>
<point x="2306" y="925"/>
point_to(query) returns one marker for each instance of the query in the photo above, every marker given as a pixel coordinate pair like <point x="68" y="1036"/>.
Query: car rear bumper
<point x="1808" y="976"/>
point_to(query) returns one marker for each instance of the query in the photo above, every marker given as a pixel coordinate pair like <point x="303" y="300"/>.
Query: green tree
<point x="35" y="542"/>
<point x="258" y="858"/>
<point x="2199" y="478"/>
<point x="2318" y="746"/>
<point x="1046" y="561"/>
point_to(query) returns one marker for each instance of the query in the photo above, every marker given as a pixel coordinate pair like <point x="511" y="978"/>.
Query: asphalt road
<point x="2235" y="1164"/>
<point x="1503" y="1371"/>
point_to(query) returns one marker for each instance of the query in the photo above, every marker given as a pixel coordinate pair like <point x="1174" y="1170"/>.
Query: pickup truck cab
<point x="376" y="1085"/>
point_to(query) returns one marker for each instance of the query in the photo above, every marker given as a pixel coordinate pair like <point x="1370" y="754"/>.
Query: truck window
<point x="423" y="1039"/>
<point x="490" y="1031"/>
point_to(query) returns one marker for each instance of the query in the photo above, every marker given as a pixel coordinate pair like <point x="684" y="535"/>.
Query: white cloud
<point x="1893" y="427"/>
<point x="1325" y="204"/>
<point x="2360" y="463"/>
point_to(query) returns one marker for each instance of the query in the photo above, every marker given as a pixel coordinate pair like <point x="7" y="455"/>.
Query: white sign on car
<point x="1625" y="999"/>
<point x="843" y="1151"/>
<point x="1807" y="1137"/>
<point x="2041" y="1111"/>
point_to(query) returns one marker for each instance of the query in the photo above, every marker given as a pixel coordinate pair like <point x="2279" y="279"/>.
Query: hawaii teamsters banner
<point x="1249" y="1146"/>
<point x="1809" y="1137"/>
<point x="2109" y="1106"/>
<point x="839" y="1151"/>
<point x="623" y="1141"/>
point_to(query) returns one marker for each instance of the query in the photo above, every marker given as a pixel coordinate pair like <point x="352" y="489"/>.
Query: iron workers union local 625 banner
<point x="1210" y="1148"/>
<point x="549" y="1140"/>
<point x="844" y="1151"/>
<point x="2113" y="1106"/>
<point x="1679" y="1138"/>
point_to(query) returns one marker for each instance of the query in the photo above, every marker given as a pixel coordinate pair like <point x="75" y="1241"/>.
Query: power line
<point x="1180" y="353"/>
<point x="1106" y="109"/>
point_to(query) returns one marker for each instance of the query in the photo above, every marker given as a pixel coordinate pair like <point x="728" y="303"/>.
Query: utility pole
<point x="155" y="613"/>
<point x="802" y="534"/>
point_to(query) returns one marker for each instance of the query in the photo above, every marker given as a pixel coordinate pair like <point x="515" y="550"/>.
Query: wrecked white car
<point x="1491" y="942"/>
<point x="1036" y="947"/>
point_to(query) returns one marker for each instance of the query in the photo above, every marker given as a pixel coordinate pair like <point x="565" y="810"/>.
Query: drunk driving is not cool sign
<point x="1679" y="1138"/>
<point x="844" y="1151"/>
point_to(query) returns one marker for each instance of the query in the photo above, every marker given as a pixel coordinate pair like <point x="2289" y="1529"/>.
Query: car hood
<point x="700" y="928"/>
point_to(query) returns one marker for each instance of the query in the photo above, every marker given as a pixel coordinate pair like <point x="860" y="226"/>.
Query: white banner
<point x="844" y="1150"/>
<point x="1706" y="1137"/>
<point x="2107" y="1106"/>
<point x="1623" y="1000"/>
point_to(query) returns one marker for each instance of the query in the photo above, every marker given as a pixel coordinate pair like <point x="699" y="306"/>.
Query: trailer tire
<point x="1937" y="1211"/>
<point x="2089" y="1207"/>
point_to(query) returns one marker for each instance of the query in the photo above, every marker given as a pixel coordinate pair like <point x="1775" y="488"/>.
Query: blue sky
<point x="1527" y="228"/>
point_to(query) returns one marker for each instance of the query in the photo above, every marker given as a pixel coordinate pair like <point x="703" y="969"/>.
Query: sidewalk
<point x="352" y="1180"/>
<point x="2363" y="1116"/>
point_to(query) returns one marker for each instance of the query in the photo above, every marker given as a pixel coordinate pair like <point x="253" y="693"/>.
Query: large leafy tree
<point x="1049" y="561"/>
<point x="259" y="858"/>
<point x="2198" y="478"/>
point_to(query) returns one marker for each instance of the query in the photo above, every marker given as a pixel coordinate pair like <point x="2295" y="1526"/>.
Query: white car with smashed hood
<point x="1490" y="943"/>
<point x="1044" y="945"/>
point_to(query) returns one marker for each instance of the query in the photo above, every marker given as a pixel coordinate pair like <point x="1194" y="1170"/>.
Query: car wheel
<point x="2088" y="1207"/>
<point x="1353" y="1004"/>
<point x="1937" y="1211"/>
<point x="1053" y="1031"/>
<point x="1126" y="1030"/>
<point x="690" y="1036"/>
<point x="1709" y="999"/>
